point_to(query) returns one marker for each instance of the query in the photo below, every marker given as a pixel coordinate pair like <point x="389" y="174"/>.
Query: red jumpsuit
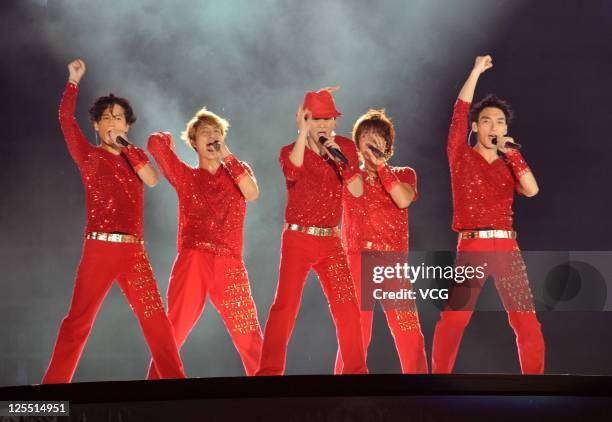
<point x="209" y="242"/>
<point x="114" y="196"/>
<point x="373" y="222"/>
<point x="482" y="200"/>
<point x="314" y="200"/>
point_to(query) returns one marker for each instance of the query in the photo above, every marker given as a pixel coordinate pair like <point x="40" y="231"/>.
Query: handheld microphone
<point x="509" y="144"/>
<point x="122" y="141"/>
<point x="217" y="145"/>
<point x="377" y="153"/>
<point x="334" y="151"/>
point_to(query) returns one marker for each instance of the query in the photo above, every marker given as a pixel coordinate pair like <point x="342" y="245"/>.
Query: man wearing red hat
<point x="113" y="175"/>
<point x="315" y="178"/>
<point x="484" y="179"/>
<point x="212" y="207"/>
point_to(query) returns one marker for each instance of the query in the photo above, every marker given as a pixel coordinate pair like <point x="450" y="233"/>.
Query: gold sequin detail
<point x="145" y="287"/>
<point x="238" y="303"/>
<point x="512" y="282"/>
<point x="341" y="282"/>
<point x="407" y="320"/>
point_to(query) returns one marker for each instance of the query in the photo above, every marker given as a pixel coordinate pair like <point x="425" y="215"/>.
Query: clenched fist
<point x="483" y="63"/>
<point x="76" y="70"/>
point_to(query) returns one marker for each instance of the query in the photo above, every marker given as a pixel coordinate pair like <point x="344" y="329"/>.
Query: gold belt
<point x="488" y="234"/>
<point x="315" y="231"/>
<point x="113" y="237"/>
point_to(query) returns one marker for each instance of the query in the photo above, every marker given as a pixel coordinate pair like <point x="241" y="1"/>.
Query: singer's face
<point x="206" y="136"/>
<point x="113" y="118"/>
<point x="371" y="138"/>
<point x="491" y="123"/>
<point x="321" y="127"/>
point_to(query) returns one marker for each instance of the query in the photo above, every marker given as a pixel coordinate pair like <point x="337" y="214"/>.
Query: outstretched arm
<point x="75" y="139"/>
<point x="481" y="65"/>
<point x="459" y="124"/>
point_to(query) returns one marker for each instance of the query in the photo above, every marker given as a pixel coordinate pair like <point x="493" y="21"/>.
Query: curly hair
<point x="494" y="101"/>
<point x="101" y="104"/>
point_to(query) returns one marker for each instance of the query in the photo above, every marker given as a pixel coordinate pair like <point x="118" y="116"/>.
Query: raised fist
<point x="483" y="63"/>
<point x="76" y="70"/>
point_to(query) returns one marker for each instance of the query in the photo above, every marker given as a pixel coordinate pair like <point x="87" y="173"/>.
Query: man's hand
<point x="377" y="142"/>
<point x="223" y="149"/>
<point x="113" y="134"/>
<point x="76" y="70"/>
<point x="483" y="63"/>
<point x="302" y="117"/>
<point x="502" y="141"/>
<point x="331" y="143"/>
<point x="167" y="136"/>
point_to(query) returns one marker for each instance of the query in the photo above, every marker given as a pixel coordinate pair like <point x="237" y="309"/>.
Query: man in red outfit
<point x="212" y="207"/>
<point x="315" y="179"/>
<point x="113" y="175"/>
<point x="376" y="222"/>
<point x="484" y="179"/>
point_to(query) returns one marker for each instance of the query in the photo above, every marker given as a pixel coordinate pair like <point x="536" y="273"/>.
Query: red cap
<point x="321" y="105"/>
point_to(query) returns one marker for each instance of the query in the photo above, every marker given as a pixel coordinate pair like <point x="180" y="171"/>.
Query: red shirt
<point x="373" y="221"/>
<point x="211" y="207"/>
<point x="114" y="192"/>
<point x="482" y="192"/>
<point x="314" y="190"/>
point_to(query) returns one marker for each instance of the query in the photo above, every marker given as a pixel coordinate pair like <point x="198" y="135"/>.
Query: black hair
<point x="494" y="101"/>
<point x="103" y="103"/>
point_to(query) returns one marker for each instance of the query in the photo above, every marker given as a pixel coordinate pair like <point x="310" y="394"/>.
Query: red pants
<point x="196" y="274"/>
<point x="404" y="326"/>
<point x="101" y="263"/>
<point x="506" y="265"/>
<point x="300" y="252"/>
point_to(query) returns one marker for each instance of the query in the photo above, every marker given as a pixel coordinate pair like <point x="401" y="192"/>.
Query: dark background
<point x="252" y="62"/>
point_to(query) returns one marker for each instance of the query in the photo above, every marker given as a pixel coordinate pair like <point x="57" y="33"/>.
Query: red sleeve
<point x="170" y="165"/>
<point x="408" y="175"/>
<point x="387" y="177"/>
<point x="136" y="156"/>
<point x="351" y="170"/>
<point x="518" y="165"/>
<point x="290" y="170"/>
<point x="236" y="168"/>
<point x="457" y="135"/>
<point x="77" y="144"/>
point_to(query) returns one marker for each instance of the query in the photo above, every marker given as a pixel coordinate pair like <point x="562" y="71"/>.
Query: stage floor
<point x="333" y="398"/>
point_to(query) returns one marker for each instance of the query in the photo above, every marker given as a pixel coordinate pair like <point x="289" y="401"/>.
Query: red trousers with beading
<point x="505" y="264"/>
<point x="300" y="252"/>
<point x="101" y="264"/>
<point x="403" y="321"/>
<point x="196" y="275"/>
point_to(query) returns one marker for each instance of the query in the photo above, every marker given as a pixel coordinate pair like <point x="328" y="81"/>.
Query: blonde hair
<point x="203" y="116"/>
